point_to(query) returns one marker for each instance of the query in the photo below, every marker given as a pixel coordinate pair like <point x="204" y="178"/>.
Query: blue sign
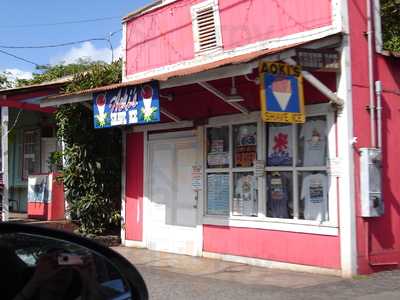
<point x="282" y="97"/>
<point x="131" y="105"/>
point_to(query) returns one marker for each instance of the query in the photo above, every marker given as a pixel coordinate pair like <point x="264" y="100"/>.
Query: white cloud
<point x="14" y="74"/>
<point x="86" y="50"/>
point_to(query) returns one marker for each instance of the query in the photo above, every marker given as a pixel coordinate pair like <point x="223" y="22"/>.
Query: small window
<point x="206" y="26"/>
<point x="31" y="148"/>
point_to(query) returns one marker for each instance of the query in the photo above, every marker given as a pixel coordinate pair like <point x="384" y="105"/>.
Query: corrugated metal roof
<point x="244" y="58"/>
<point x="58" y="81"/>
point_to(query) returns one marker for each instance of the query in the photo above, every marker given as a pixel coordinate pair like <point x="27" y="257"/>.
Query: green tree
<point x="390" y="13"/>
<point x="92" y="173"/>
<point x="5" y="83"/>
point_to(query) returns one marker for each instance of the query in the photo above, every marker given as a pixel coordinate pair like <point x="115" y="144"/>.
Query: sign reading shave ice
<point x="130" y="105"/>
<point x="282" y="97"/>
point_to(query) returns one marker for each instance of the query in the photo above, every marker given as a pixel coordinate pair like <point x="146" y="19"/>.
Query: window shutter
<point x="206" y="27"/>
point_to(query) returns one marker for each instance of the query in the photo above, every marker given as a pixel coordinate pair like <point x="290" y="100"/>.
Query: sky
<point x="28" y="23"/>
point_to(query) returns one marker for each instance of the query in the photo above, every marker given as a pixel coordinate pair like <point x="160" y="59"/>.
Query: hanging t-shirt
<point x="315" y="194"/>
<point x="314" y="134"/>
<point x="278" y="196"/>
<point x="246" y="195"/>
<point x="280" y="149"/>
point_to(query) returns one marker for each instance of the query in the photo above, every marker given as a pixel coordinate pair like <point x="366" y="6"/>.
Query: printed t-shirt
<point x="314" y="134"/>
<point x="280" y="149"/>
<point x="278" y="196"/>
<point x="315" y="194"/>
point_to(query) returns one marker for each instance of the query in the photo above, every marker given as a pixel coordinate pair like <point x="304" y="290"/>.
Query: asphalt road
<point x="163" y="284"/>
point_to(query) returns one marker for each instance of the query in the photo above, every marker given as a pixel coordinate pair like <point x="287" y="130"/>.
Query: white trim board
<point x="272" y="264"/>
<point x="275" y="225"/>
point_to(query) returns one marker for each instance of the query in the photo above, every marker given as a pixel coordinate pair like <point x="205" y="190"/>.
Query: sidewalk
<point x="171" y="276"/>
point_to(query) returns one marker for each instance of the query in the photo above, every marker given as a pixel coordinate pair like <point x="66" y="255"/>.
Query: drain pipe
<point x="378" y="90"/>
<point x="371" y="75"/>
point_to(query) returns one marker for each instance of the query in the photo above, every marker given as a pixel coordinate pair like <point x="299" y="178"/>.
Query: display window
<point x="297" y="183"/>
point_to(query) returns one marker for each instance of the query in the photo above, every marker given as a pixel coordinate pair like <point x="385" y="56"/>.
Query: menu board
<point x="218" y="194"/>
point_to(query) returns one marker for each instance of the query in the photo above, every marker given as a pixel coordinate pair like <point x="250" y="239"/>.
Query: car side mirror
<point x="42" y="263"/>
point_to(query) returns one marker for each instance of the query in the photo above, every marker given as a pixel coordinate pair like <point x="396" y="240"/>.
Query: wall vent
<point x="206" y="27"/>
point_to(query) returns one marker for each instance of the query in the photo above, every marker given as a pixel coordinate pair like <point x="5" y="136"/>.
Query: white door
<point x="173" y="210"/>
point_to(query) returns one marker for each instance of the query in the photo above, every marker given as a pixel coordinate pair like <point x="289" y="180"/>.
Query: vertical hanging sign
<point x="282" y="97"/>
<point x="130" y="105"/>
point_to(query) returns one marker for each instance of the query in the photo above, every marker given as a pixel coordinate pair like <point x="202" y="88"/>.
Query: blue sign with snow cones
<point x="127" y="106"/>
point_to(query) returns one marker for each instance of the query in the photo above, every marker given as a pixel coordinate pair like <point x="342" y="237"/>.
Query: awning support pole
<point x="222" y="96"/>
<point x="170" y="115"/>
<point x="315" y="82"/>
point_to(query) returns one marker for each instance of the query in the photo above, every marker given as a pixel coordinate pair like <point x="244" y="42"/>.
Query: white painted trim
<point x="300" y="226"/>
<point x="4" y="158"/>
<point x="377" y="21"/>
<point x="271" y="264"/>
<point x="123" y="188"/>
<point x="146" y="191"/>
<point x="163" y="126"/>
<point x="168" y="136"/>
<point x="135" y="244"/>
<point x="301" y="37"/>
<point x="65" y="100"/>
<point x="347" y="209"/>
<point x="123" y="50"/>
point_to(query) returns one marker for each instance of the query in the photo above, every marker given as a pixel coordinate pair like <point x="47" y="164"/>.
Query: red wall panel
<point x="134" y="187"/>
<point x="378" y="239"/>
<point x="288" y="247"/>
<point x="164" y="36"/>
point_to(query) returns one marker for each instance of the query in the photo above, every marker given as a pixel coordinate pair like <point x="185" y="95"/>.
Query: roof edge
<point x="143" y="9"/>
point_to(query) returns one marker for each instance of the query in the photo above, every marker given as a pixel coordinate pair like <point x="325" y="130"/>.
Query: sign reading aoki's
<point x="131" y="105"/>
<point x="282" y="97"/>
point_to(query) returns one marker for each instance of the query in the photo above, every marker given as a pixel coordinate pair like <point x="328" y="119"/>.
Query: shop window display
<point x="297" y="155"/>
<point x="233" y="166"/>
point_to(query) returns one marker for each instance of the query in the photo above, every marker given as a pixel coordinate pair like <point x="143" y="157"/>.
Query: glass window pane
<point x="244" y="145"/>
<point x="312" y="145"/>
<point x="218" y="194"/>
<point x="218" y="147"/>
<point x="313" y="191"/>
<point x="245" y="194"/>
<point x="279" y="195"/>
<point x="279" y="145"/>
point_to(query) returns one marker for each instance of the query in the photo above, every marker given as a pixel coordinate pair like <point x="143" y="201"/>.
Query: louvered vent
<point x="206" y="26"/>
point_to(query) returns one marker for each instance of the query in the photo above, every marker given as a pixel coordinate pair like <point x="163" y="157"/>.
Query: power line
<point x="19" y="58"/>
<point x="53" y="45"/>
<point x="62" y="44"/>
<point x="61" y="23"/>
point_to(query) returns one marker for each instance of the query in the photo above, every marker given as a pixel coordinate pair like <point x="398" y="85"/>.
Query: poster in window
<point x="39" y="188"/>
<point x="218" y="194"/>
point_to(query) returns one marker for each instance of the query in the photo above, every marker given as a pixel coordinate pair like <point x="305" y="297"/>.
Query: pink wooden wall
<point x="289" y="247"/>
<point x="134" y="187"/>
<point x="164" y="36"/>
<point x="383" y="242"/>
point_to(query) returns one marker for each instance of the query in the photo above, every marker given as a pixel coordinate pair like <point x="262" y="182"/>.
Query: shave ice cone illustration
<point x="282" y="90"/>
<point x="147" y="109"/>
<point x="101" y="105"/>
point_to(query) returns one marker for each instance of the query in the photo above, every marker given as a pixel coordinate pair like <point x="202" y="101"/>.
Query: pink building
<point x="213" y="179"/>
